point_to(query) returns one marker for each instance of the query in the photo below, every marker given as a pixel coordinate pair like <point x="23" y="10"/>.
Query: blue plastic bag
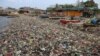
<point x="94" y="21"/>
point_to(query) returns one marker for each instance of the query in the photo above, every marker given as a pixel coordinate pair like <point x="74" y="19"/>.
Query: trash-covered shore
<point x="31" y="36"/>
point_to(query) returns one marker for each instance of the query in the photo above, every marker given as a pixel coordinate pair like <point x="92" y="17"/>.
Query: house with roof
<point x="8" y="11"/>
<point x="30" y="11"/>
<point x="83" y="9"/>
<point x="25" y="10"/>
<point x="1" y="9"/>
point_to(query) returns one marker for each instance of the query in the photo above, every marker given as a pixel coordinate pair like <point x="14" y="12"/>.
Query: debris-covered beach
<point x="49" y="28"/>
<point x="32" y="36"/>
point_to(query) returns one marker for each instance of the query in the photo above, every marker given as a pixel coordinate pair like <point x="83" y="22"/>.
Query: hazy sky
<point x="37" y="3"/>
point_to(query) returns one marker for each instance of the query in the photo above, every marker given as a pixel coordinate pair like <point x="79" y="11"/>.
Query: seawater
<point x="4" y="21"/>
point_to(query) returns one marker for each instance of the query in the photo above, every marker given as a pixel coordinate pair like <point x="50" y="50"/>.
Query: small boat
<point x="63" y="21"/>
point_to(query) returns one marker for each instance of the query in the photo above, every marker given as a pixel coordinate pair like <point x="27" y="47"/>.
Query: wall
<point x="73" y="13"/>
<point x="67" y="13"/>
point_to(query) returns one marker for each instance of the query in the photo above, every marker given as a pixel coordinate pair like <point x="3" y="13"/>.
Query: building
<point x="11" y="11"/>
<point x="1" y="9"/>
<point x="30" y="11"/>
<point x="67" y="12"/>
<point x="8" y="12"/>
<point x="38" y="12"/>
<point x="25" y="10"/>
<point x="81" y="10"/>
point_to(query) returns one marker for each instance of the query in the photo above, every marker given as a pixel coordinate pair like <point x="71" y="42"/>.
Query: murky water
<point x="4" y="21"/>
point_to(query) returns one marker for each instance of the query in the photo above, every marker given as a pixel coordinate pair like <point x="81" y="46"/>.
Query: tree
<point x="90" y="4"/>
<point x="67" y="6"/>
<point x="58" y="6"/>
<point x="50" y="8"/>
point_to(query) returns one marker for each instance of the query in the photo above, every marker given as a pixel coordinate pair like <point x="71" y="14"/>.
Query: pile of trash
<point x="28" y="36"/>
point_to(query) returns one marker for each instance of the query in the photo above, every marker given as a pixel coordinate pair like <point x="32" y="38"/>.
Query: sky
<point x="43" y="4"/>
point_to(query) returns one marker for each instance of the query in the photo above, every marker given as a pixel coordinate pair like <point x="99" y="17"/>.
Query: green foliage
<point x="98" y="11"/>
<point x="67" y="6"/>
<point x="90" y="4"/>
<point x="58" y="6"/>
<point x="87" y="4"/>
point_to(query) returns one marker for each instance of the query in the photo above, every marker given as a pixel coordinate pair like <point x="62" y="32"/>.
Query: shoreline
<point x="5" y="21"/>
